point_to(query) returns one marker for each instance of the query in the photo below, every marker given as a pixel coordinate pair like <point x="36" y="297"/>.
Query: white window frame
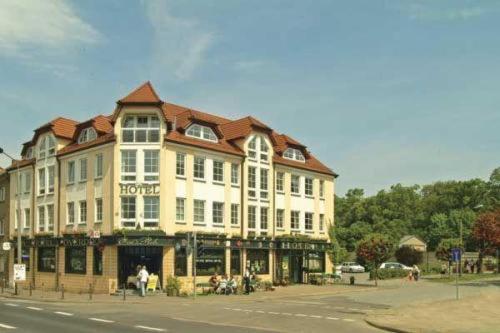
<point x="218" y="171"/>
<point x="98" y="166"/>
<point x="235" y="214"/>
<point x="70" y="210"/>
<point x="198" y="131"/>
<point x="180" y="209"/>
<point x="199" y="167"/>
<point x="98" y="210"/>
<point x="295" y="189"/>
<point x="151" y="128"/>
<point x="27" y="182"/>
<point x="252" y="148"/>
<point x="83" y="174"/>
<point x="280" y="182"/>
<point x="322" y="189"/>
<point x="235" y="174"/>
<point x="309" y="188"/>
<point x="87" y="134"/>
<point x="71" y="172"/>
<point x="252" y="181"/>
<point x="131" y="202"/>
<point x="199" y="212"/>
<point x="180" y="164"/>
<point x="321" y="222"/>
<point x="264" y="218"/>
<point x="82" y="212"/>
<point x="294" y="214"/>
<point x="264" y="184"/>
<point x="42" y="148"/>
<point x="41" y="218"/>
<point x="152" y="176"/>
<point x="217" y="213"/>
<point x="50" y="179"/>
<point x="153" y="220"/>
<point x="51" y="146"/>
<point x="42" y="181"/>
<point x="264" y="150"/>
<point x="50" y="217"/>
<point x="280" y="218"/>
<point x="294" y="155"/>
<point x="309" y="221"/>
<point x="252" y="217"/>
<point x="128" y="171"/>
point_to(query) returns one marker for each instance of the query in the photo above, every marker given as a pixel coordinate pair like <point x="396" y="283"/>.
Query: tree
<point x="373" y="250"/>
<point x="486" y="231"/>
<point x="443" y="250"/>
<point x="338" y="254"/>
<point x="409" y="256"/>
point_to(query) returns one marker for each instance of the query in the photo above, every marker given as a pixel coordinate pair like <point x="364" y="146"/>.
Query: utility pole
<point x="461" y="249"/>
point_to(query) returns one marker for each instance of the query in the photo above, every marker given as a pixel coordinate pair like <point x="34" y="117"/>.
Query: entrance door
<point x="296" y="268"/>
<point x="129" y="257"/>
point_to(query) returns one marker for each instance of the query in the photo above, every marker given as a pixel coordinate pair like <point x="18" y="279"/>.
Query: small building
<point x="413" y="242"/>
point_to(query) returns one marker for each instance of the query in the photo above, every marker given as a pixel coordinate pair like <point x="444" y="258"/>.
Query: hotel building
<point x="99" y="197"/>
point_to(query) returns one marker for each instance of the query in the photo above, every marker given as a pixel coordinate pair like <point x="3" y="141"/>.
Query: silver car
<point x="352" y="267"/>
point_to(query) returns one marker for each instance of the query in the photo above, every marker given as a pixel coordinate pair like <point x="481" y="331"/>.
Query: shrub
<point x="389" y="273"/>
<point x="409" y="256"/>
<point x="173" y="286"/>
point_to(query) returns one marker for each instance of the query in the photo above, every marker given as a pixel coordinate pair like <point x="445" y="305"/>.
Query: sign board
<point x="94" y="234"/>
<point x="6" y="246"/>
<point x="19" y="272"/>
<point x="456" y="254"/>
<point x="152" y="282"/>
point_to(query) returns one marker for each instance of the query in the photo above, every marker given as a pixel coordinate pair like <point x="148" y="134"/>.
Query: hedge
<point x="389" y="273"/>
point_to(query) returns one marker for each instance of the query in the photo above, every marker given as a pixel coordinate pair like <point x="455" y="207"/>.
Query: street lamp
<point x="18" y="210"/>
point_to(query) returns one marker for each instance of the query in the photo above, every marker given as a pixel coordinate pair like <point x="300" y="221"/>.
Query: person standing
<point x="143" y="279"/>
<point x="246" y="279"/>
<point x="415" y="272"/>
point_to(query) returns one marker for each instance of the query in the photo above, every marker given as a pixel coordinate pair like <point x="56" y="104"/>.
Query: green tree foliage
<point x="337" y="253"/>
<point x="409" y="256"/>
<point x="443" y="250"/>
<point x="486" y="231"/>
<point x="373" y="250"/>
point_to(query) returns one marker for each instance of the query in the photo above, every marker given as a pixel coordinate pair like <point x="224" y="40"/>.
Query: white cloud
<point x="179" y="44"/>
<point x="42" y="25"/>
<point x="455" y="10"/>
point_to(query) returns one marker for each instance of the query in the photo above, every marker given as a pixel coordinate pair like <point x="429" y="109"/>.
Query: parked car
<point x="350" y="267"/>
<point x="390" y="265"/>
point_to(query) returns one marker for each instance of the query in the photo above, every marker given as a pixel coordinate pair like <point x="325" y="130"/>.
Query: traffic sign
<point x="19" y="272"/>
<point x="456" y="254"/>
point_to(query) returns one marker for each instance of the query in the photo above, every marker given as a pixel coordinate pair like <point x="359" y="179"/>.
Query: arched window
<point x="201" y="132"/>
<point x="258" y="148"/>
<point x="42" y="147"/>
<point x="88" y="134"/>
<point x="51" y="146"/>
<point x="294" y="154"/>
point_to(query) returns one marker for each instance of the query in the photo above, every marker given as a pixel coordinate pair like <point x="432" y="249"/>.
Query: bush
<point x="409" y="256"/>
<point x="173" y="286"/>
<point x="389" y="273"/>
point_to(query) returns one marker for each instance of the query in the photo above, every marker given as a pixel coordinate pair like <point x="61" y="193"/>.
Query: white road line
<point x="34" y="308"/>
<point x="150" y="328"/>
<point x="247" y="310"/>
<point x="7" y="326"/>
<point x="227" y="309"/>
<point x="300" y="315"/>
<point x="286" y="313"/>
<point x="313" y="316"/>
<point x="63" y="313"/>
<point x="259" y="311"/>
<point x="347" y="319"/>
<point x="236" y="309"/>
<point x="271" y="312"/>
<point x="332" y="318"/>
<point x="11" y="304"/>
<point x="352" y="309"/>
<point x="101" y="320"/>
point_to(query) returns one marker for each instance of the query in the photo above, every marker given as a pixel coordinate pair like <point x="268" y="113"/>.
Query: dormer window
<point x="29" y="153"/>
<point x="294" y="154"/>
<point x="88" y="134"/>
<point x="201" y="132"/>
<point x="51" y="146"/>
<point x="42" y="148"/>
<point x="252" y="148"/>
<point x="264" y="150"/>
<point x="258" y="149"/>
<point x="141" y="129"/>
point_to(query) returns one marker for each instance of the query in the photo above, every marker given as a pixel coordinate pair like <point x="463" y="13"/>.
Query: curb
<point x="386" y="328"/>
<point x="68" y="301"/>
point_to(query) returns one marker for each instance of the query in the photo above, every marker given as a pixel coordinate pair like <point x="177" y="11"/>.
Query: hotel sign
<point x="148" y="189"/>
<point x="302" y="246"/>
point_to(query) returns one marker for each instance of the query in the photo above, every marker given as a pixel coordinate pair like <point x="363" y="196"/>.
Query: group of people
<point x="223" y="285"/>
<point x="470" y="266"/>
<point x="414" y="273"/>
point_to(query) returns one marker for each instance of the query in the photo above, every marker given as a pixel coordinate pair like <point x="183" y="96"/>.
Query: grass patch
<point x="463" y="278"/>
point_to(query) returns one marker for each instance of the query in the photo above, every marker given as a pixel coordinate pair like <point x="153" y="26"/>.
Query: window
<point x="258" y="261"/>
<point x="29" y="153"/>
<point x="218" y="171"/>
<point x="50" y="170"/>
<point x="98" y="166"/>
<point x="27" y="218"/>
<point x="294" y="154"/>
<point x="235" y="262"/>
<point x="83" y="212"/>
<point x="97" y="260"/>
<point x="151" y="165"/>
<point x="295" y="220"/>
<point x="263" y="184"/>
<point x="151" y="211"/>
<point x="309" y="187"/>
<point x="211" y="261"/>
<point x="50" y="217"/>
<point x="46" y="259"/>
<point x="25" y="256"/>
<point x="264" y="150"/>
<point x="87" y="134"/>
<point x="316" y="262"/>
<point x="98" y="210"/>
<point x="27" y="182"/>
<point x="41" y="181"/>
<point x="308" y="219"/>
<point x="251" y="181"/>
<point x="141" y="129"/>
<point x="71" y="213"/>
<point x="295" y="184"/>
<point x="180" y="164"/>
<point x="321" y="188"/>
<point x="280" y="180"/>
<point x="199" y="167"/>
<point x="217" y="212"/>
<point x="251" y="217"/>
<point x="2" y="193"/>
<point x="42" y="148"/>
<point x="199" y="211"/>
<point x="252" y="148"/>
<point x="83" y="169"/>
<point x="52" y="146"/>
<point x="128" y="211"/>
<point x="263" y="218"/>
<point x="235" y="212"/>
<point x="180" y="206"/>
<point x="75" y="260"/>
<point x="235" y="174"/>
<point x="41" y="218"/>
<point x="321" y="222"/>
<point x="280" y="213"/>
<point x="71" y="172"/>
<point x="201" y="132"/>
<point x="180" y="261"/>
<point x="129" y="161"/>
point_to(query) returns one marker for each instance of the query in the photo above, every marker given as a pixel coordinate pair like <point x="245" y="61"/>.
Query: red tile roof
<point x="20" y="164"/>
<point x="110" y="137"/>
<point x="221" y="146"/>
<point x="143" y="94"/>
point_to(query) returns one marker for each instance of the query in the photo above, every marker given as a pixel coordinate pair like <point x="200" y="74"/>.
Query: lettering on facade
<point x="141" y="241"/>
<point x="302" y="246"/>
<point x="147" y="189"/>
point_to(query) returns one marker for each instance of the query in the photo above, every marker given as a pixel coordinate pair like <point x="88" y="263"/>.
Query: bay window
<point x="151" y="211"/>
<point x="151" y="165"/>
<point x="141" y="129"/>
<point x="128" y="210"/>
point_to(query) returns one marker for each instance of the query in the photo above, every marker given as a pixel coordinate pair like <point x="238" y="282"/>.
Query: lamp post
<point x="18" y="209"/>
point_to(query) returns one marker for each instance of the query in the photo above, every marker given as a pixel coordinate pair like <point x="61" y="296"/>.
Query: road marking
<point x="300" y="315"/>
<point x="63" y="313"/>
<point x="338" y="307"/>
<point x="7" y="326"/>
<point x="352" y="309"/>
<point x="332" y="318"/>
<point x="227" y="309"/>
<point x="11" y="304"/>
<point x="34" y="308"/>
<point x="259" y="311"/>
<point x="347" y="319"/>
<point x="101" y="320"/>
<point x="236" y="309"/>
<point x="247" y="310"/>
<point x="286" y="313"/>
<point x="271" y="312"/>
<point x="314" y="316"/>
<point x="150" y="328"/>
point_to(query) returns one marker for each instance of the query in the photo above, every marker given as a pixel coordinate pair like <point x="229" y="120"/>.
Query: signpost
<point x="19" y="272"/>
<point x="456" y="255"/>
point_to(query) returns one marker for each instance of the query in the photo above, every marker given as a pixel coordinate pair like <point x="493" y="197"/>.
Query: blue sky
<point x="383" y="92"/>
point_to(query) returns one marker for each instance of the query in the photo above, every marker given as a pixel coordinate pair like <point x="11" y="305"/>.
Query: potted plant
<point x="173" y="286"/>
